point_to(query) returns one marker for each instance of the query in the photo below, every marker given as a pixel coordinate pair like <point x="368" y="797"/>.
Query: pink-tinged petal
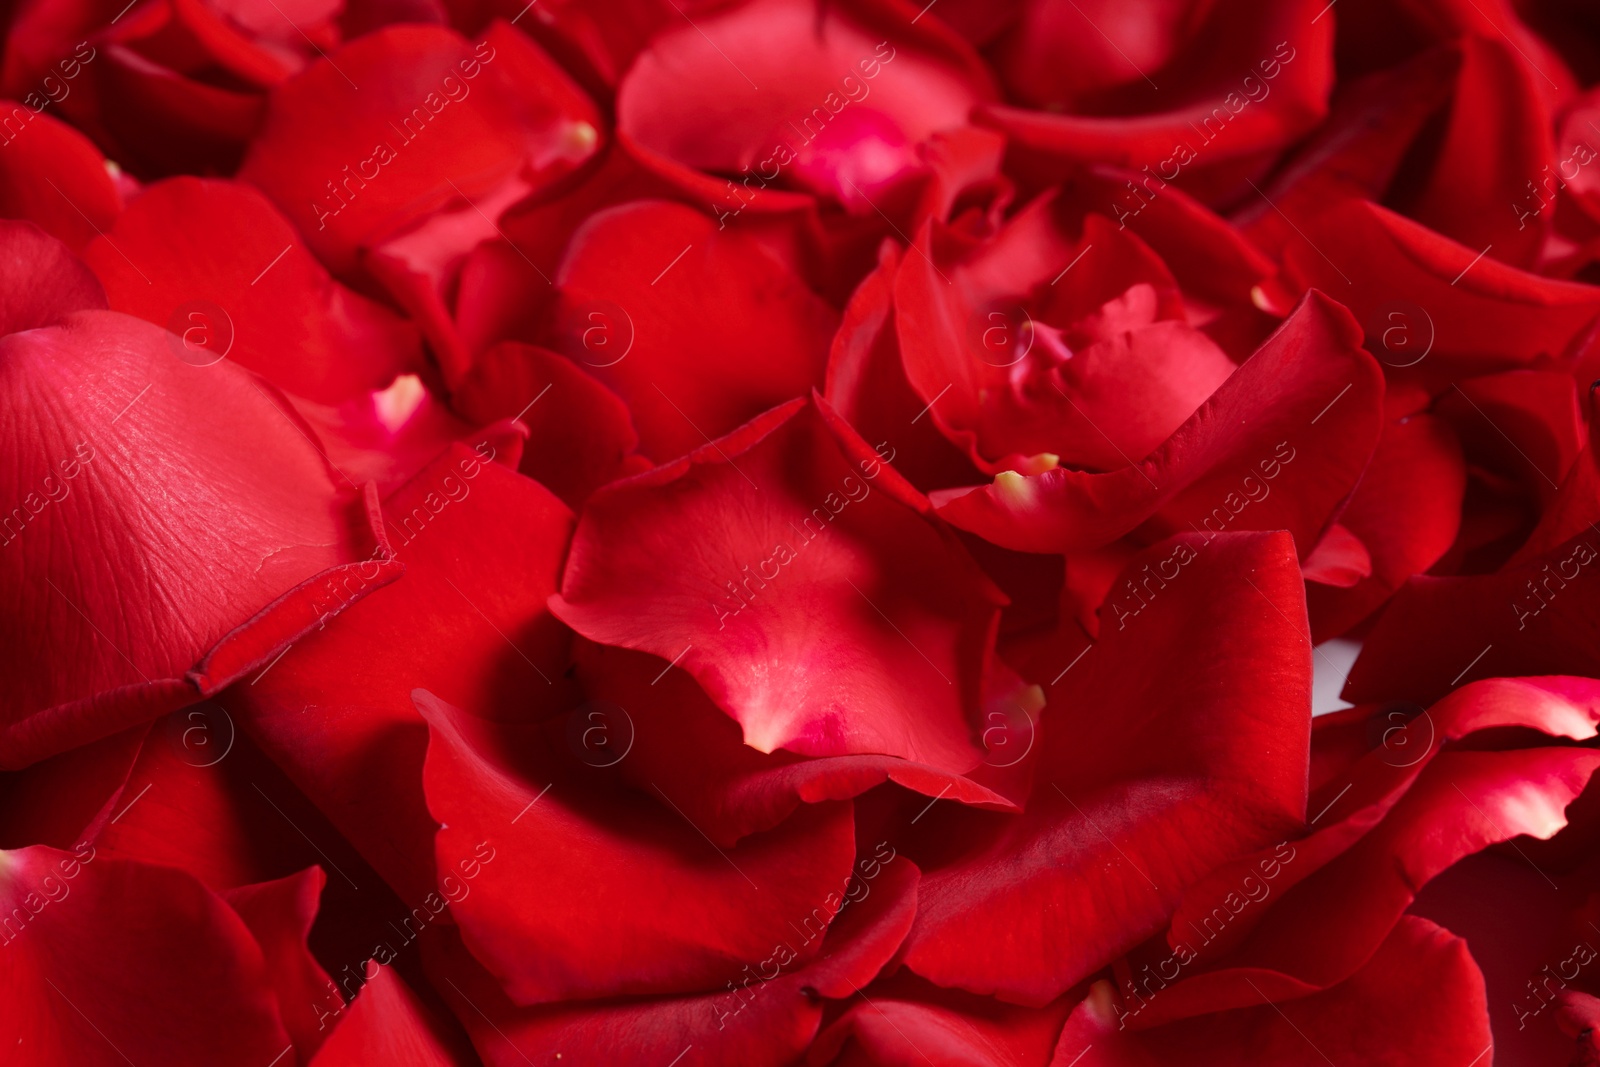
<point x="686" y="746"/>
<point x="668" y="311"/>
<point x="822" y="607"/>
<point x="560" y="853"/>
<point x="388" y="436"/>
<point x="1147" y="779"/>
<point x="119" y="621"/>
<point x="1100" y="366"/>
<point x="187" y="243"/>
<point x="482" y="548"/>
<point x="41" y="282"/>
<point x="1405" y="514"/>
<point x="799" y="95"/>
<point x="1311" y="422"/>
<point x="580" y="433"/>
<point x="764" y="1015"/>
<point x="279" y="915"/>
<point x="1419" y="1000"/>
<point x="110" y="961"/>
<point x="54" y="176"/>
<point x="386" y="1023"/>
<point x="374" y="139"/>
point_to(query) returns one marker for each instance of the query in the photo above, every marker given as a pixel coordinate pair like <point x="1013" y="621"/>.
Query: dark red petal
<point x="1539" y="616"/>
<point x="1405" y="513"/>
<point x="1147" y="778"/>
<point x="279" y="915"/>
<point x="1215" y="123"/>
<point x="822" y="608"/>
<point x="1217" y="471"/>
<point x="1433" y="310"/>
<point x="580" y="433"/>
<point x="1357" y="151"/>
<point x="386" y="1023"/>
<point x="867" y="385"/>
<point x="482" y="548"/>
<point x="906" y="1024"/>
<point x="1420" y="1000"/>
<point x="747" y="1022"/>
<point x="1495" y="141"/>
<point x="1324" y="929"/>
<point x="119" y="443"/>
<point x="1361" y="768"/>
<point x="52" y="801"/>
<point x="555" y="911"/>
<point x="187" y="243"/>
<point x="1524" y="425"/>
<point x="110" y="961"/>
<point x="670" y="312"/>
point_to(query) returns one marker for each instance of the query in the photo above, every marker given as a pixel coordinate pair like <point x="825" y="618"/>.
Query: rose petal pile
<point x="760" y="533"/>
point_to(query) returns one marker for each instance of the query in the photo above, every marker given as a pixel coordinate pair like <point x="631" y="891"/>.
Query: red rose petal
<point x="1146" y="779"/>
<point x="860" y="626"/>
<point x="385" y="131"/>
<point x="54" y="176"/>
<point x="41" y="282"/>
<point x="185" y="241"/>
<point x="482" y="548"/>
<point x="555" y="910"/>
<point x="1215" y="472"/>
<point x="749" y="1022"/>
<point x="670" y="313"/>
<point x="121" y="426"/>
<point x="120" y="961"/>
<point x="1419" y="1000"/>
<point x="386" y="1023"/>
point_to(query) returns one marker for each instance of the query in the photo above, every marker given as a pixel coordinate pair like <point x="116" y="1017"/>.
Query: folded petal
<point x="1219" y="470"/>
